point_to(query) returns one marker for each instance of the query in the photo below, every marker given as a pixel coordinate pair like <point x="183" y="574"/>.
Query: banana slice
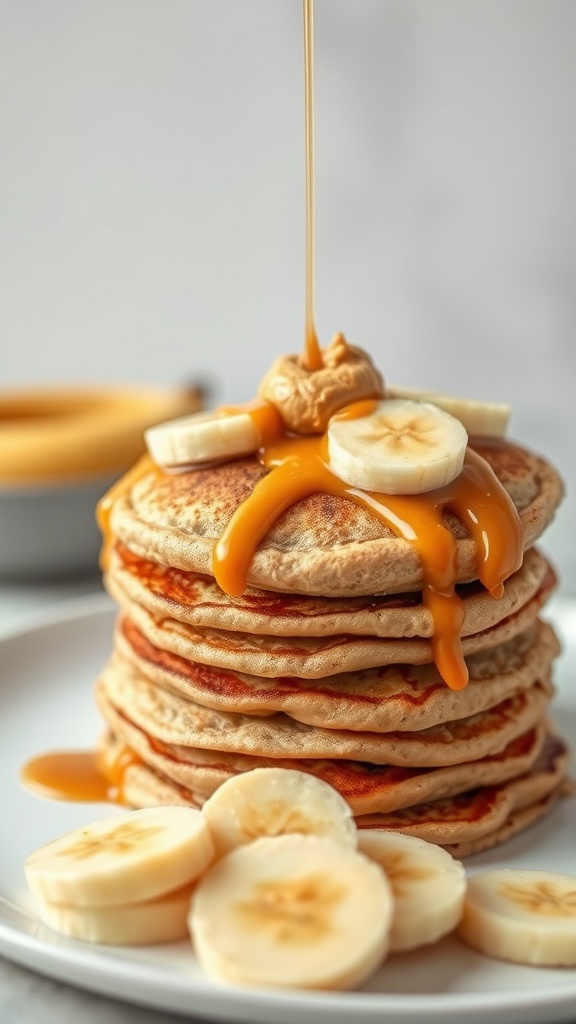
<point x="428" y="887"/>
<point x="126" y="859"/>
<point x="214" y="436"/>
<point x="273" y="802"/>
<point x="481" y="419"/>
<point x="528" y="917"/>
<point x="402" y="447"/>
<point x="292" y="910"/>
<point x="135" y="924"/>
<point x="202" y="437"/>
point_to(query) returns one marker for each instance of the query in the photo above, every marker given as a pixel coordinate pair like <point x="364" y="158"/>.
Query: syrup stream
<point x="312" y="358"/>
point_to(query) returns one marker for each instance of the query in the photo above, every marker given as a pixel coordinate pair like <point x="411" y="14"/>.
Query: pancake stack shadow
<point x="337" y="680"/>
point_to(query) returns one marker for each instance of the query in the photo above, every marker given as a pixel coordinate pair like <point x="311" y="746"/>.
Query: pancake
<point x="342" y="650"/>
<point x="195" y="774"/>
<point x="146" y="789"/>
<point x="197" y="599"/>
<point x="307" y="657"/>
<point x="463" y="823"/>
<point x="471" y="815"/>
<point x="323" y="544"/>
<point x="515" y="823"/>
<point x="167" y="717"/>
<point x="396" y="697"/>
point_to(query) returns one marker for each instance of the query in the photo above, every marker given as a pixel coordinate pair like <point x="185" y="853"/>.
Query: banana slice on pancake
<point x="528" y="917"/>
<point x="273" y="802"/>
<point x="481" y="419"/>
<point x="131" y="858"/>
<point x="401" y="447"/>
<point x="202" y="437"/>
<point x="428" y="886"/>
<point x="292" y="910"/>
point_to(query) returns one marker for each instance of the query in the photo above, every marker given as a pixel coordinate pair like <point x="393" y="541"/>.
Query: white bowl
<point x="49" y="530"/>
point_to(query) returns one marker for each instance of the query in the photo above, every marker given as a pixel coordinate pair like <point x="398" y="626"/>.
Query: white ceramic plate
<point x="46" y="679"/>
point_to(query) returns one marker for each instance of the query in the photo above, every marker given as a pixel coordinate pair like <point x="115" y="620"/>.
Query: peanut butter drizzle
<point x="78" y="776"/>
<point x="298" y="468"/>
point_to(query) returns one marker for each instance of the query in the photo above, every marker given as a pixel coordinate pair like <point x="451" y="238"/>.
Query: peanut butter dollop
<point x="306" y="399"/>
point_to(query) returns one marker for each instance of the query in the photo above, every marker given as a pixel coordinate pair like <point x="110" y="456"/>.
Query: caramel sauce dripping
<point x="299" y="468"/>
<point x="79" y="776"/>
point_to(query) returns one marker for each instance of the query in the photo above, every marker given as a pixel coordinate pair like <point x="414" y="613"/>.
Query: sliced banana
<point x="292" y="910"/>
<point x="135" y="924"/>
<point x="481" y="419"/>
<point x="528" y="917"/>
<point x="273" y="802"/>
<point x="428" y="887"/>
<point x="126" y="859"/>
<point x="402" y="447"/>
<point x="202" y="437"/>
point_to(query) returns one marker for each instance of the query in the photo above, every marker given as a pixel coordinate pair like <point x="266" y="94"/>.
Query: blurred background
<point x="152" y="197"/>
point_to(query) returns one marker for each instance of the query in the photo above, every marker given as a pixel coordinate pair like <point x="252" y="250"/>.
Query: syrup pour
<point x="312" y="358"/>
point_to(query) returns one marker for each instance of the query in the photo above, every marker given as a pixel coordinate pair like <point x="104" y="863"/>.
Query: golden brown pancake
<point x="385" y="699"/>
<point x="516" y="822"/>
<point x="470" y="816"/>
<point x="464" y="823"/>
<point x="322" y="545"/>
<point x="169" y="718"/>
<point x="307" y="657"/>
<point x="195" y="774"/>
<point x="196" y="599"/>
<point x="327" y="661"/>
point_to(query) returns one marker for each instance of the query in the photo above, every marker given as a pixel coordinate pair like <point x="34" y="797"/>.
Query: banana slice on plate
<point x="276" y="801"/>
<point x="481" y="419"/>
<point x="528" y="917"/>
<point x="401" y="447"/>
<point x="126" y="859"/>
<point x="133" y="924"/>
<point x="292" y="910"/>
<point x="428" y="887"/>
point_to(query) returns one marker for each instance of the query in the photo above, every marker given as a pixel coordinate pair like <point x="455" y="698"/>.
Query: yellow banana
<point x="292" y="910"/>
<point x="276" y="801"/>
<point x="401" y="447"/>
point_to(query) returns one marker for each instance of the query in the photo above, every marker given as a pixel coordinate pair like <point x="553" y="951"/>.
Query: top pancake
<point x="322" y="545"/>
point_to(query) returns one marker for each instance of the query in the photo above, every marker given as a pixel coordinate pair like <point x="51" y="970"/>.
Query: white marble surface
<point x="27" y="998"/>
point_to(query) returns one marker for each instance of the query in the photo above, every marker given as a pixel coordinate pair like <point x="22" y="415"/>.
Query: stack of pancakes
<point x="325" y="663"/>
